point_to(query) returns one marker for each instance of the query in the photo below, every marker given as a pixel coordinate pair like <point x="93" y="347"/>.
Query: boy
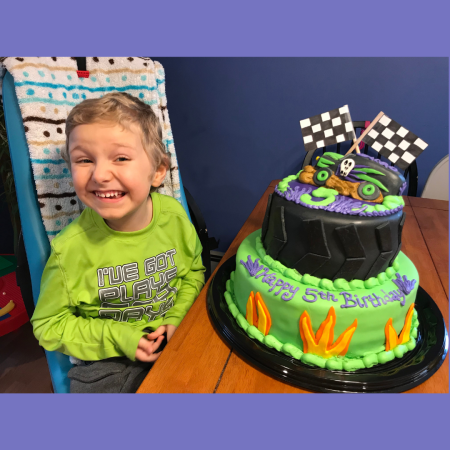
<point x="130" y="263"/>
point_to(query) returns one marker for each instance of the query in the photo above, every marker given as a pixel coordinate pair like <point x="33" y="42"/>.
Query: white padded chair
<point x="436" y="186"/>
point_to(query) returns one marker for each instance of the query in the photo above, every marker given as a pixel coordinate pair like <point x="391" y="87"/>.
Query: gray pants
<point x="109" y="376"/>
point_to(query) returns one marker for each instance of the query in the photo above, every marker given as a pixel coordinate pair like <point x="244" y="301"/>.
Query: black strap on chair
<point x="198" y="221"/>
<point x="308" y="158"/>
<point x="413" y="179"/>
<point x="81" y="62"/>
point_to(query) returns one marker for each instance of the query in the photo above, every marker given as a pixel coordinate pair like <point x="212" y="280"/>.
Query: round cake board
<point x="398" y="375"/>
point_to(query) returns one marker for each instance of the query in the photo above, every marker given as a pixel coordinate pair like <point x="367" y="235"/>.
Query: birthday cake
<point x="324" y="280"/>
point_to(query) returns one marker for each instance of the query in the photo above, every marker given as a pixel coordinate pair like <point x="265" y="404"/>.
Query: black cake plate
<point x="398" y="375"/>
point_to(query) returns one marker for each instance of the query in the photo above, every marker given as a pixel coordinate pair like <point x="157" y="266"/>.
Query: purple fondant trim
<point x="294" y="194"/>
<point x="405" y="285"/>
<point x="252" y="267"/>
<point x="382" y="163"/>
<point x="352" y="179"/>
<point x="342" y="205"/>
<point x="402" y="188"/>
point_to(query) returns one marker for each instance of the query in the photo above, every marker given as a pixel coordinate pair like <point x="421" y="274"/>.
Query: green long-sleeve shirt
<point x="101" y="288"/>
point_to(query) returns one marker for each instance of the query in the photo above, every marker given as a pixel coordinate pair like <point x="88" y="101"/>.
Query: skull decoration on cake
<point x="346" y="166"/>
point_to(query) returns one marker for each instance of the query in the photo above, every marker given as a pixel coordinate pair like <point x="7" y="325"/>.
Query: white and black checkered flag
<point x="328" y="128"/>
<point x="396" y="143"/>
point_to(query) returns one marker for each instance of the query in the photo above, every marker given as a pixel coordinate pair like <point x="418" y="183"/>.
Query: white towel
<point x="48" y="88"/>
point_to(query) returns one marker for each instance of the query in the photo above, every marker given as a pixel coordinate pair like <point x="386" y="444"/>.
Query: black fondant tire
<point x="331" y="245"/>
<point x="321" y="176"/>
<point x="368" y="191"/>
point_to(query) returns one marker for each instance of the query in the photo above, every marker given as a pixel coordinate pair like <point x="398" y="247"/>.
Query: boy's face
<point x="112" y="173"/>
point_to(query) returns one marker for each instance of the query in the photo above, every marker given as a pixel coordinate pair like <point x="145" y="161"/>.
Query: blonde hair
<point x="123" y="109"/>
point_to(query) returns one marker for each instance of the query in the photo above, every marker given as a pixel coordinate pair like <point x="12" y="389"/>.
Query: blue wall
<point x="236" y="120"/>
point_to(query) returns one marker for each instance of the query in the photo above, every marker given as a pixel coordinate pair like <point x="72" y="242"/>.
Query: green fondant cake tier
<point x="286" y="295"/>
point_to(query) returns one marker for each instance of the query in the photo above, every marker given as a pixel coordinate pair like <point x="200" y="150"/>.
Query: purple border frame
<point x="232" y="28"/>
<point x="225" y="421"/>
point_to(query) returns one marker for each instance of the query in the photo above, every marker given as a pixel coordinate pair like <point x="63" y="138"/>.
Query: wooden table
<point x="197" y="360"/>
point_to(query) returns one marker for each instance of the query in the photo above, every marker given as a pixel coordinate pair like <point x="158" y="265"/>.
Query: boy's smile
<point x="112" y="173"/>
<point x="110" y="195"/>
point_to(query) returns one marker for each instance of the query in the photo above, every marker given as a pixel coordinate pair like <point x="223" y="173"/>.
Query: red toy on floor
<point x="16" y="317"/>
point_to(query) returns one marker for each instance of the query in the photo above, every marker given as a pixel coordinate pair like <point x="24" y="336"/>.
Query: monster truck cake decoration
<point x="324" y="280"/>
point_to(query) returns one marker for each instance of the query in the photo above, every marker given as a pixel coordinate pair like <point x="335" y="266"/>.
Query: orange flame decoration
<point x="321" y="344"/>
<point x="391" y="335"/>
<point x="257" y="313"/>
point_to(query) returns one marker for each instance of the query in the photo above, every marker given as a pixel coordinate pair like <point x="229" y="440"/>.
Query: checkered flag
<point x="328" y="128"/>
<point x="395" y="142"/>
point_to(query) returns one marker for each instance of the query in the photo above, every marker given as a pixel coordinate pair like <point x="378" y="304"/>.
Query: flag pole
<point x="372" y="124"/>
<point x="357" y="146"/>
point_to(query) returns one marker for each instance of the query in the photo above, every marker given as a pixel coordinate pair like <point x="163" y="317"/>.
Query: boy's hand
<point x="169" y="329"/>
<point x="146" y="350"/>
